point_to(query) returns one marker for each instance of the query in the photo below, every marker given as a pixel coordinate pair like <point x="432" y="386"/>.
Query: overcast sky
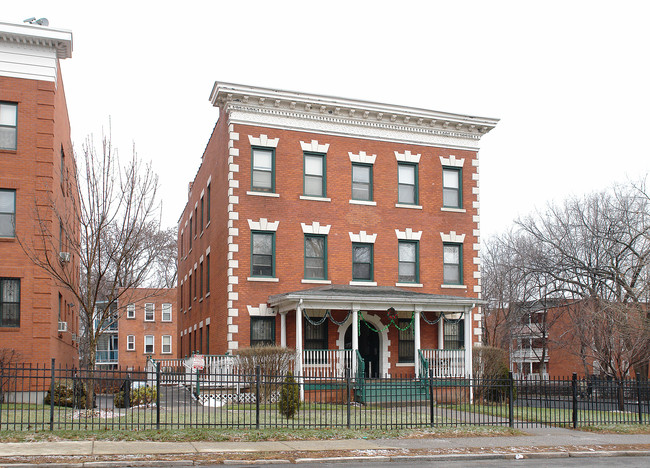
<point x="569" y="79"/>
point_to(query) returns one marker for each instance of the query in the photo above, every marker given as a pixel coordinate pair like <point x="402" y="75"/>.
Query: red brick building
<point x="38" y="317"/>
<point x="332" y="224"/>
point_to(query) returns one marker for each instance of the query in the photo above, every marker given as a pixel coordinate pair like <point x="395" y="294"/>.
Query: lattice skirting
<point x="221" y="399"/>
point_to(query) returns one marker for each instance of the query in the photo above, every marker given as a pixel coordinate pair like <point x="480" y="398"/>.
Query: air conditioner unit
<point x="63" y="326"/>
<point x="64" y="257"/>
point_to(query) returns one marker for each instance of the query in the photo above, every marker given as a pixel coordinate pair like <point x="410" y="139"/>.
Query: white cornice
<point x="340" y="116"/>
<point x="32" y="35"/>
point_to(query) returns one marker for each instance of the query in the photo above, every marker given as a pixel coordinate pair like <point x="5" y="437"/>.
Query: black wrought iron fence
<point x="55" y="398"/>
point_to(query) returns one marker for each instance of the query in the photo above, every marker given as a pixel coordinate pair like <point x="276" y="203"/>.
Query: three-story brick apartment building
<point x="38" y="317"/>
<point x="346" y="229"/>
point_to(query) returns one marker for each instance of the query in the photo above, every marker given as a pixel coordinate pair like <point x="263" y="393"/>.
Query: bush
<point x="274" y="363"/>
<point x="490" y="365"/>
<point x="68" y="392"/>
<point x="289" y="397"/>
<point x="139" y="396"/>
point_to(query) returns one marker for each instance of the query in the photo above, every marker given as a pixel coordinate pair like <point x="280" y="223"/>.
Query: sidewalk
<point x="543" y="442"/>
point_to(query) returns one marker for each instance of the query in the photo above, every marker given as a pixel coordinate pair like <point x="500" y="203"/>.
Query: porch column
<point x="441" y="332"/>
<point x="283" y="329"/>
<point x="468" y="341"/>
<point x="299" y="348"/>
<point x="355" y="338"/>
<point x="416" y="341"/>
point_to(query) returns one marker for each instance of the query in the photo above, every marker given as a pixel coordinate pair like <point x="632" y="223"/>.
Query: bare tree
<point x="165" y="270"/>
<point x="119" y="245"/>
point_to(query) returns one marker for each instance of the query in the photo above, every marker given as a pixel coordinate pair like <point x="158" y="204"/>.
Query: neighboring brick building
<point x="327" y="223"/>
<point x="145" y="325"/>
<point x="38" y="318"/>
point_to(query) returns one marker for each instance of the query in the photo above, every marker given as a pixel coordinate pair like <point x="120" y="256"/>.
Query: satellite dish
<point x="43" y="22"/>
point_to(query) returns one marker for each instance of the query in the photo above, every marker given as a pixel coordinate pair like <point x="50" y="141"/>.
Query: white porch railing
<point x="325" y="363"/>
<point x="444" y="363"/>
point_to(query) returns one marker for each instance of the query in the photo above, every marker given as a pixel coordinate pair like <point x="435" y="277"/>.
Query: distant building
<point x="145" y="325"/>
<point x="38" y="317"/>
<point x="346" y="229"/>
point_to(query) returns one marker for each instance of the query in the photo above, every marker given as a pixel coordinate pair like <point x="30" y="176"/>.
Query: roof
<point x="370" y="298"/>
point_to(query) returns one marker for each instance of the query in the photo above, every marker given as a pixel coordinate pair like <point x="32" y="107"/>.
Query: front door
<point x="368" y="348"/>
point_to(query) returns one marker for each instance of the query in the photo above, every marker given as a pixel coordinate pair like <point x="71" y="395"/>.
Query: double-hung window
<point x="407" y="181"/>
<point x="315" y="340"/>
<point x="452" y="194"/>
<point x="262" y="253"/>
<point x="362" y="182"/>
<point x="130" y="343"/>
<point x="8" y="125"/>
<point x="452" y="258"/>
<point x="263" y="164"/>
<point x="362" y="262"/>
<point x="149" y="315"/>
<point x="207" y="274"/>
<point x="7" y="213"/>
<point x="148" y="344"/>
<point x="167" y="312"/>
<point x="408" y="262"/>
<point x="314" y="179"/>
<point x="130" y="311"/>
<point x="166" y="347"/>
<point x="262" y="331"/>
<point x="9" y="302"/>
<point x="209" y="195"/>
<point x="406" y="344"/>
<point x="315" y="257"/>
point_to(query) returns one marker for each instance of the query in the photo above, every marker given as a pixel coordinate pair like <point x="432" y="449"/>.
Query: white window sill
<point x="409" y="285"/>
<point x="413" y="207"/>
<point x="323" y="199"/>
<point x="166" y="321"/>
<point x="130" y="350"/>
<point x="363" y="202"/>
<point x="207" y="294"/>
<point x="405" y="364"/>
<point x="263" y="279"/>
<point x="315" y="281"/>
<point x="453" y="210"/>
<point x="363" y="283"/>
<point x="263" y="194"/>
<point x="167" y="352"/>
<point x="453" y="286"/>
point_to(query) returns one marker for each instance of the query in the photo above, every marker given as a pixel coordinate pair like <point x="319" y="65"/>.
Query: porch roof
<point x="370" y="298"/>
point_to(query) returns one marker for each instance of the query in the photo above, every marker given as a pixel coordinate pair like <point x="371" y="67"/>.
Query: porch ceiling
<point x="370" y="298"/>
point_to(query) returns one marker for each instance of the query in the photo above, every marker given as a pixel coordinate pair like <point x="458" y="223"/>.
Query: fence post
<point x="574" y="412"/>
<point x="52" y="396"/>
<point x="431" y="400"/>
<point x="511" y="397"/>
<point x="158" y="395"/>
<point x="258" y="376"/>
<point x="127" y="391"/>
<point x="347" y="394"/>
<point x="638" y="396"/>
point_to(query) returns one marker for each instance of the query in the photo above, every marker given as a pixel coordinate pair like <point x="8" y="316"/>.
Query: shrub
<point x="274" y="363"/>
<point x="68" y="392"/>
<point x="139" y="396"/>
<point x="289" y="397"/>
<point x="490" y="366"/>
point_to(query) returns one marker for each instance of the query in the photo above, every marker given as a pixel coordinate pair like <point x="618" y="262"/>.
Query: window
<point x="454" y="336"/>
<point x="62" y="170"/>
<point x="130" y="311"/>
<point x="190" y="244"/>
<point x="452" y="263"/>
<point x="201" y="340"/>
<point x="362" y="182"/>
<point x="314" y="180"/>
<point x="209" y="194"/>
<point x="8" y="125"/>
<point x="130" y="343"/>
<point x="7" y="213"/>
<point x="408" y="262"/>
<point x="182" y="244"/>
<point x="315" y="335"/>
<point x="9" y="302"/>
<point x="149" y="315"/>
<point x="451" y="187"/>
<point x="262" y="331"/>
<point x="148" y="344"/>
<point x="201" y="279"/>
<point x="362" y="262"/>
<point x="195" y="281"/>
<point x="315" y="257"/>
<point x="166" y="312"/>
<point x="207" y="274"/>
<point x="407" y="184"/>
<point x="406" y="345"/>
<point x="202" y="210"/>
<point x="166" y="347"/>
<point x="262" y="248"/>
<point x="207" y="339"/>
<point x="262" y="178"/>
<point x="196" y="220"/>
